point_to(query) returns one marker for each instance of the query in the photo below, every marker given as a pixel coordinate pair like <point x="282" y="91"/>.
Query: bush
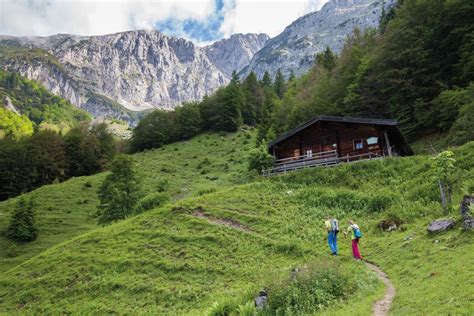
<point x="221" y="308"/>
<point x="380" y="202"/>
<point x="22" y="224"/>
<point x="309" y="292"/>
<point x="247" y="309"/>
<point x="151" y="201"/>
<point x="259" y="159"/>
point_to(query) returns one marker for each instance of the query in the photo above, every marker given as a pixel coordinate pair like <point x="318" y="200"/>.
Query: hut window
<point x="358" y="144"/>
<point x="372" y="140"/>
<point x="309" y="153"/>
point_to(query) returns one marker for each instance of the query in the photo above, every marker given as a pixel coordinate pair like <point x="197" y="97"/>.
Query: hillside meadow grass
<point x="204" y="164"/>
<point x="194" y="255"/>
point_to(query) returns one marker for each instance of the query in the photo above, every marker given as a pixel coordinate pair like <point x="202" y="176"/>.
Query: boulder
<point x="440" y="225"/>
<point x="261" y="299"/>
<point x="468" y="224"/>
<point x="466" y="204"/>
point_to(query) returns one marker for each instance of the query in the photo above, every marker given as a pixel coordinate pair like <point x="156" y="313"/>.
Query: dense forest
<point x="47" y="156"/>
<point x="417" y="68"/>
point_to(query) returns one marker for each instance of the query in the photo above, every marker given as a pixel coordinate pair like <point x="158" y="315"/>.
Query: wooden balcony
<point x="321" y="159"/>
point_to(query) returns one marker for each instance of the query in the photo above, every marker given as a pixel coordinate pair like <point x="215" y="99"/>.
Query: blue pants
<point x="332" y="241"/>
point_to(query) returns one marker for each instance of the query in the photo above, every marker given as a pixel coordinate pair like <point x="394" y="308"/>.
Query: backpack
<point x="357" y="232"/>
<point x="334" y="225"/>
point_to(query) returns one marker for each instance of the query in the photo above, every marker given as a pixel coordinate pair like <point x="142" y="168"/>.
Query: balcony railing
<point x="321" y="159"/>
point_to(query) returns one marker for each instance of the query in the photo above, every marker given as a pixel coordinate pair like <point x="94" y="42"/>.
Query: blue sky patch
<point x="195" y="29"/>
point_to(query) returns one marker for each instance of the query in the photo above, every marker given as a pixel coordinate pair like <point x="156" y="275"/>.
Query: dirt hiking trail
<point x="381" y="307"/>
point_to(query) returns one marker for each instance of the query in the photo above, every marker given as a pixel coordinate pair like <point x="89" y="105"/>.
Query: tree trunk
<point x="443" y="195"/>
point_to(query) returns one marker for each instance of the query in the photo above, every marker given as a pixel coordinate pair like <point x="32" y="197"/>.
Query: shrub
<point x="13" y="251"/>
<point x="247" y="309"/>
<point x="380" y="202"/>
<point x="203" y="163"/>
<point x="259" y="159"/>
<point x="151" y="201"/>
<point x="22" y="224"/>
<point x="221" y="308"/>
<point x="309" y="292"/>
<point x="162" y="185"/>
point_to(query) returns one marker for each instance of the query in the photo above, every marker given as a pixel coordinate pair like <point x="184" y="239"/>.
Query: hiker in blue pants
<point x="332" y="228"/>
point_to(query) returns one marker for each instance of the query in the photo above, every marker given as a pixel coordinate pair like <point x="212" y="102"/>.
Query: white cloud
<point x="266" y="16"/>
<point x="97" y="17"/>
<point x="86" y="17"/>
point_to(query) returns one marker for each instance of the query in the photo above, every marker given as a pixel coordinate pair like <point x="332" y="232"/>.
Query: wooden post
<point x="338" y="150"/>
<point x="389" y="148"/>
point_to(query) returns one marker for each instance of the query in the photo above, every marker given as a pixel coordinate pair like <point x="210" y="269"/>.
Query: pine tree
<point x="22" y="223"/>
<point x="16" y="171"/>
<point x="279" y="85"/>
<point x="189" y="120"/>
<point x="326" y="59"/>
<point x="253" y="99"/>
<point x="266" y="80"/>
<point x="119" y="192"/>
<point x="47" y="152"/>
<point x="292" y="76"/>
<point x="230" y="103"/>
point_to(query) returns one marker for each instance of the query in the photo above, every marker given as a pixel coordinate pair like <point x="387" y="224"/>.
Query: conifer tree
<point x="292" y="76"/>
<point x="119" y="192"/>
<point x="22" y="223"/>
<point x="266" y="80"/>
<point x="231" y="103"/>
<point x="253" y="99"/>
<point x="279" y="85"/>
<point x="326" y="59"/>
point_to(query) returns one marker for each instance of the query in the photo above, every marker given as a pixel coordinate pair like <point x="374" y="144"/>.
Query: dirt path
<point x="382" y="306"/>
<point x="219" y="221"/>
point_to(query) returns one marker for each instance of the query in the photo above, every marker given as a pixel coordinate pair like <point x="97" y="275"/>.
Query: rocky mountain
<point x="119" y="74"/>
<point x="235" y="52"/>
<point x="112" y="74"/>
<point x="295" y="48"/>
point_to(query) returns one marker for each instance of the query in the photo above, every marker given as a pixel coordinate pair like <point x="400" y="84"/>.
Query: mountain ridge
<point x="140" y="70"/>
<point x="294" y="49"/>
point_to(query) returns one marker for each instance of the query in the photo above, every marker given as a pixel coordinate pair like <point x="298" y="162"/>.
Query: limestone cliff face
<point x="118" y="74"/>
<point x="235" y="52"/>
<point x="138" y="69"/>
<point x="295" y="48"/>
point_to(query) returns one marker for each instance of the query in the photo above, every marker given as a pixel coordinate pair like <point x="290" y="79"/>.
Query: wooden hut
<point x="329" y="140"/>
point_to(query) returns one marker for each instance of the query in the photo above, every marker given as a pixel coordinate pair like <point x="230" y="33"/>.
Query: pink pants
<point x="355" y="249"/>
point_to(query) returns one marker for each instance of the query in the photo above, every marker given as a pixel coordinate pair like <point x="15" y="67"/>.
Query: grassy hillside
<point x="203" y="164"/>
<point x="184" y="257"/>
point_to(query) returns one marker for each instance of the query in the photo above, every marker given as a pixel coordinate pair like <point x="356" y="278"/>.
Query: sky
<point x="202" y="21"/>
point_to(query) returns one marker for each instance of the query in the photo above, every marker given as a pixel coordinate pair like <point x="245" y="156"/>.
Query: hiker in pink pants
<point x="354" y="230"/>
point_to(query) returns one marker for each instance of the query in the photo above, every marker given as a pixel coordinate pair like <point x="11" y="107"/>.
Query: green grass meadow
<point x="204" y="164"/>
<point x="227" y="234"/>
